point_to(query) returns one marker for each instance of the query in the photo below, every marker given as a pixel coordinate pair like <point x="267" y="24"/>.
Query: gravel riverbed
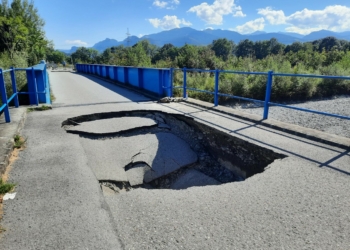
<point x="332" y="125"/>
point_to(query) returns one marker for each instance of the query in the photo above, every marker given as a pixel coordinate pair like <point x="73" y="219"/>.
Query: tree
<point x="188" y="57"/>
<point x="275" y="47"/>
<point x="328" y="44"/>
<point x="245" y="49"/>
<point x="106" y="56"/>
<point x="223" y="48"/>
<point x="13" y="34"/>
<point x="85" y="55"/>
<point x="167" y="52"/>
<point x="137" y="56"/>
<point x="56" y="56"/>
<point x="21" y="30"/>
<point x="149" y="48"/>
<point x="294" y="47"/>
<point x="261" y="49"/>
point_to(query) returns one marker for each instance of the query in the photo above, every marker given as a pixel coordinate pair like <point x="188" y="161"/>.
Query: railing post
<point x="268" y="94"/>
<point x="171" y="74"/>
<point x="185" y="83"/>
<point x="36" y="98"/>
<point x="4" y="96"/>
<point x="115" y="73"/>
<point x="140" y="77"/>
<point x="14" y="87"/>
<point x="107" y="72"/>
<point x="126" y="75"/>
<point x="216" y="88"/>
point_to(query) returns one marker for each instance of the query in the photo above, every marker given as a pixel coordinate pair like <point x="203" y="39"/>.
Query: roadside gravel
<point x="336" y="105"/>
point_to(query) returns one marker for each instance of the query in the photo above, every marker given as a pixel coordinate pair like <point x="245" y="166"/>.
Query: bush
<point x="330" y="87"/>
<point x="19" y="61"/>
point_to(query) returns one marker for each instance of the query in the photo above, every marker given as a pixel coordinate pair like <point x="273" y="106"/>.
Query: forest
<point x="23" y="43"/>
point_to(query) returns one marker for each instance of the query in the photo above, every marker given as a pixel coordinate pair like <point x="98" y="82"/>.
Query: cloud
<point x="76" y="43"/>
<point x="166" y="4"/>
<point x="274" y="17"/>
<point x="160" y="4"/>
<point x="168" y="22"/>
<point x="238" y="12"/>
<point x="251" y="26"/>
<point x="213" y="14"/>
<point x="335" y="18"/>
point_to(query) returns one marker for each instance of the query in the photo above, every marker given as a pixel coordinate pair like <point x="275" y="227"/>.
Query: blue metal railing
<point x="267" y="103"/>
<point x="38" y="87"/>
<point x="155" y="81"/>
<point x="138" y="78"/>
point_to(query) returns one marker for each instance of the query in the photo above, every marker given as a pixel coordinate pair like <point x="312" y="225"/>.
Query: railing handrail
<point x="32" y="78"/>
<point x="267" y="103"/>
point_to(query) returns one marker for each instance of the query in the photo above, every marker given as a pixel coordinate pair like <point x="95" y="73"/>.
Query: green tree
<point x="245" y="49"/>
<point x="188" y="57"/>
<point x="137" y="56"/>
<point x="56" y="56"/>
<point x="329" y="43"/>
<point x="261" y="49"/>
<point x="85" y="55"/>
<point x="149" y="48"/>
<point x="294" y="47"/>
<point x="21" y="29"/>
<point x="167" y="52"/>
<point x="223" y="48"/>
<point x="275" y="47"/>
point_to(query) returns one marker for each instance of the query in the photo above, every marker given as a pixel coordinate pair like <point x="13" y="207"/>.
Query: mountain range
<point x="181" y="36"/>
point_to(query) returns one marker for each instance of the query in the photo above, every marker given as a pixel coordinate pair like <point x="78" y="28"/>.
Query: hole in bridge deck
<point x="155" y="150"/>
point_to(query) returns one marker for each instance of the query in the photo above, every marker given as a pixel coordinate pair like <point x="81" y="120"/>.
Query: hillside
<point x="181" y="36"/>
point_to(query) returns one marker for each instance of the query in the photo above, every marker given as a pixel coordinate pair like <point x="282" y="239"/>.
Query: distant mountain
<point x="181" y="36"/>
<point x="69" y="51"/>
<point x="107" y="43"/>
<point x="297" y="35"/>
<point x="228" y="34"/>
<point x="345" y="35"/>
<point x="319" y="35"/>
<point x="282" y="38"/>
<point x="257" y="33"/>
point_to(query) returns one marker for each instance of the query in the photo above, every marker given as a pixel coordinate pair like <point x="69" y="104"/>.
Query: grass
<point x="19" y="141"/>
<point x="52" y="97"/>
<point x="41" y="108"/>
<point x="5" y="187"/>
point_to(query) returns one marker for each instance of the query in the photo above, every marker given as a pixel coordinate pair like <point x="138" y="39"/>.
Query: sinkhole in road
<point x="158" y="150"/>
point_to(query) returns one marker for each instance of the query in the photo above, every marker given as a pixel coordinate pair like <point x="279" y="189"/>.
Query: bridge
<point x="109" y="167"/>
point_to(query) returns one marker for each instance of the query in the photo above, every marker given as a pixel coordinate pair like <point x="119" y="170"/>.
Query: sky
<point x="85" y="22"/>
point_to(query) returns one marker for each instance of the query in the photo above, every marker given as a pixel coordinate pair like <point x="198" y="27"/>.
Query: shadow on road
<point x="124" y="90"/>
<point x="342" y="153"/>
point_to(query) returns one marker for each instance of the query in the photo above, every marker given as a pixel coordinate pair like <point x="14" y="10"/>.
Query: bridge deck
<point x="299" y="201"/>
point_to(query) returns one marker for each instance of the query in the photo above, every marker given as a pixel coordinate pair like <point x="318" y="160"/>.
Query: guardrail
<point x="267" y="103"/>
<point x="161" y="83"/>
<point x="38" y="87"/>
<point x="155" y="81"/>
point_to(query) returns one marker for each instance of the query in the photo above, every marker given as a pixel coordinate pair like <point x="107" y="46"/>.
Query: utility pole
<point x="128" y="38"/>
